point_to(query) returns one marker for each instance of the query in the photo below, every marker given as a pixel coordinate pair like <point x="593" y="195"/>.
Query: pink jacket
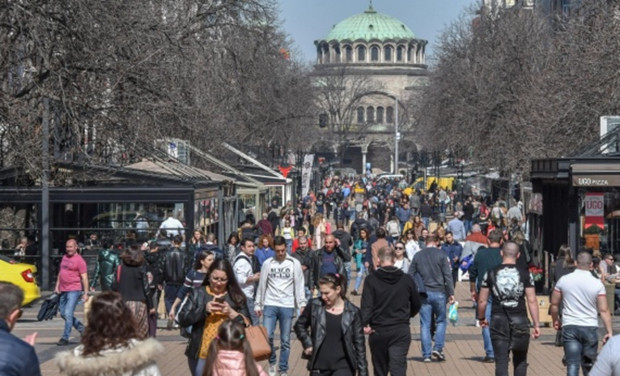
<point x="231" y="363"/>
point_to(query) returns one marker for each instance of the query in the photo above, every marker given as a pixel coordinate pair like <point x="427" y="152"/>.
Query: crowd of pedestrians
<point x="292" y="271"/>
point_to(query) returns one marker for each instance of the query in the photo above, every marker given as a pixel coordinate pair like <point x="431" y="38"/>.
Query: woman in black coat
<point x="219" y="299"/>
<point x="335" y="344"/>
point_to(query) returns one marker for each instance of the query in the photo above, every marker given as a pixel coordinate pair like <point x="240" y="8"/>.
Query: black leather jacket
<point x="194" y="313"/>
<point x="105" y="268"/>
<point x="177" y="264"/>
<point x="313" y="316"/>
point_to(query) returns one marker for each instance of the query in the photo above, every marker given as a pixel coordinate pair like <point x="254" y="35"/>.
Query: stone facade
<point x="368" y="70"/>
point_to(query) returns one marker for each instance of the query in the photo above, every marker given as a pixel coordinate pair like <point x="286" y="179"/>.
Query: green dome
<point x="370" y="25"/>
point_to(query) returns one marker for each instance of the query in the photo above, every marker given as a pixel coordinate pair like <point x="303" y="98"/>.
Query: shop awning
<point x="595" y="174"/>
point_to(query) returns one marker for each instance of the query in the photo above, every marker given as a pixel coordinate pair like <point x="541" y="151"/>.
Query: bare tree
<point x="120" y="74"/>
<point x="512" y="85"/>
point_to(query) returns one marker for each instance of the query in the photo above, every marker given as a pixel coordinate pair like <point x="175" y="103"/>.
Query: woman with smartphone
<point x="219" y="299"/>
<point x="330" y="329"/>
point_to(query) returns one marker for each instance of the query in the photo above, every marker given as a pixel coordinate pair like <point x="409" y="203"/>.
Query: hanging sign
<point x="595" y="209"/>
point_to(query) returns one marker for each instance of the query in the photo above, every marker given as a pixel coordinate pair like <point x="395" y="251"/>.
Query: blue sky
<point x="308" y="20"/>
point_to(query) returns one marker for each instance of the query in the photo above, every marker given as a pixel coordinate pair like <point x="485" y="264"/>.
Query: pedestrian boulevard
<point x="463" y="349"/>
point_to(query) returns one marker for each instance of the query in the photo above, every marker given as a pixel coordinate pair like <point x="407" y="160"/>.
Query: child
<point x="230" y="353"/>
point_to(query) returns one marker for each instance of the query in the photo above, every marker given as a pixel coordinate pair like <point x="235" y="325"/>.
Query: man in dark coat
<point x="17" y="357"/>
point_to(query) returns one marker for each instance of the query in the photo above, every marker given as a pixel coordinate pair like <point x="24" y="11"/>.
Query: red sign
<point x="285" y="170"/>
<point x="595" y="209"/>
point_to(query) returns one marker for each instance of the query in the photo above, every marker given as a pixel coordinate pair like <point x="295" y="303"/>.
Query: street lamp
<point x="396" y="136"/>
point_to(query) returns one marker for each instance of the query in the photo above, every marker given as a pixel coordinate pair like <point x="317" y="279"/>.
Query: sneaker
<point x="488" y="359"/>
<point x="354" y="293"/>
<point x="439" y="355"/>
<point x="272" y="370"/>
<point x="427" y="360"/>
<point x="62" y="342"/>
<point x="283" y="374"/>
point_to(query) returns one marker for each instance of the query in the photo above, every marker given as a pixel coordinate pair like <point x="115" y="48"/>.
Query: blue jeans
<point x="434" y="303"/>
<point x="66" y="305"/>
<point x="360" y="274"/>
<point x="170" y="294"/>
<point x="580" y="348"/>
<point x="486" y="332"/>
<point x="347" y="268"/>
<point x="271" y="314"/>
<point x="426" y="221"/>
<point x="253" y="316"/>
<point x="468" y="225"/>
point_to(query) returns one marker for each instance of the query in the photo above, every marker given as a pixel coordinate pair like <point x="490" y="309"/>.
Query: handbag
<point x="259" y="342"/>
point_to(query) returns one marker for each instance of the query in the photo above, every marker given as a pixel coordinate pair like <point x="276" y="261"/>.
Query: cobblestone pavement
<point x="463" y="349"/>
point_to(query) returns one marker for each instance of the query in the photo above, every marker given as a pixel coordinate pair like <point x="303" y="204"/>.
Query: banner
<point x="306" y="173"/>
<point x="595" y="209"/>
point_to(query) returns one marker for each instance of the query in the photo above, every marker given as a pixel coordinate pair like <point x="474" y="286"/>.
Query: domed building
<point x="368" y="70"/>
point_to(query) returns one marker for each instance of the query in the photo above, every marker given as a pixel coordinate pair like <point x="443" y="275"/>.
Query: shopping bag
<point x="453" y="313"/>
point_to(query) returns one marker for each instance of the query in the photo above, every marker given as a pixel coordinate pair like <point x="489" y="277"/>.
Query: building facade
<point x="368" y="71"/>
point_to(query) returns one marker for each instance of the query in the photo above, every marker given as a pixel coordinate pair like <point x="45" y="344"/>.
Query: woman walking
<point x="111" y="344"/>
<point x="219" y="299"/>
<point x="330" y="329"/>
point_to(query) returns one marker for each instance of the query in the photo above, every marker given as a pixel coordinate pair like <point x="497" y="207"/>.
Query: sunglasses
<point x="221" y="280"/>
<point x="400" y="247"/>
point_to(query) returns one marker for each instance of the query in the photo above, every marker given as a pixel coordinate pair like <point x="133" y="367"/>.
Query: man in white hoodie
<point x="280" y="290"/>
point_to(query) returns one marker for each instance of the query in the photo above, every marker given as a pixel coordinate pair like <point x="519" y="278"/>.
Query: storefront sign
<point x="596" y="180"/>
<point x="595" y="209"/>
<point x="306" y="173"/>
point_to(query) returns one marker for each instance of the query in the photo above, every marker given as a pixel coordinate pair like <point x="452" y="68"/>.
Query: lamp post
<point x="396" y="136"/>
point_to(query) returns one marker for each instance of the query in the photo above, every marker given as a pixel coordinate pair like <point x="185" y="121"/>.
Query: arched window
<point x="400" y="52"/>
<point x="361" y="54"/>
<point x="348" y="51"/>
<point x="326" y="53"/>
<point x="389" y="115"/>
<point x="336" y="50"/>
<point x="387" y="54"/>
<point x="360" y="115"/>
<point x="380" y="115"/>
<point x="374" y="53"/>
<point x="370" y="115"/>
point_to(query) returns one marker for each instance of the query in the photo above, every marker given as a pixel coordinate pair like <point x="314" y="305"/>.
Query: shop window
<point x="360" y="115"/>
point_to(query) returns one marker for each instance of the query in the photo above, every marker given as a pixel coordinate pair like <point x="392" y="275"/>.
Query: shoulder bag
<point x="259" y="342"/>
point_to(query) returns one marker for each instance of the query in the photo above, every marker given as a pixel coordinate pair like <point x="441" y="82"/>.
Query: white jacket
<point x="137" y="359"/>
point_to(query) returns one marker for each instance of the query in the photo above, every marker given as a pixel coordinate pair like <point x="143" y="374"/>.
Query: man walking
<point x="344" y="242"/>
<point x="454" y="250"/>
<point x="456" y="227"/>
<point x="328" y="259"/>
<point x="485" y="260"/>
<point x="508" y="286"/>
<point x="280" y="290"/>
<point x="389" y="300"/>
<point x="304" y="256"/>
<point x="581" y="295"/>
<point x="17" y="357"/>
<point x="71" y="284"/>
<point x="176" y="266"/>
<point x="434" y="267"/>
<point x="247" y="273"/>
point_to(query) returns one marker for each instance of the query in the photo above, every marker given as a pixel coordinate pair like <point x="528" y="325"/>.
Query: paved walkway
<point x="463" y="349"/>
